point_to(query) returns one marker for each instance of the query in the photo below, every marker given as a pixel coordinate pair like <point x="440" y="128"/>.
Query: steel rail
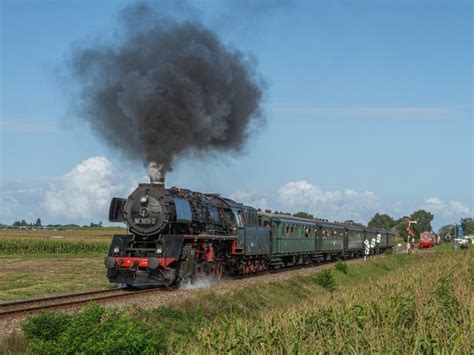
<point x="37" y="304"/>
<point x="33" y="305"/>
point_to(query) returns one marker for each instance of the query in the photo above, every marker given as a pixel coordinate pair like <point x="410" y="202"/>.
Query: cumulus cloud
<point x="346" y="203"/>
<point x="84" y="192"/>
<point x="83" y="195"/>
<point x="251" y="198"/>
<point x="447" y="210"/>
<point x="340" y="204"/>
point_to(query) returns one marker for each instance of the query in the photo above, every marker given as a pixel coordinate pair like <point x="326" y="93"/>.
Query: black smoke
<point x="167" y="88"/>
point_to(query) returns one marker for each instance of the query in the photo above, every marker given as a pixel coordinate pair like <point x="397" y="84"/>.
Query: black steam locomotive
<point x="178" y="235"/>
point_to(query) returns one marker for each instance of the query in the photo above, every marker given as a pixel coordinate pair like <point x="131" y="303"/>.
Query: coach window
<point x="292" y="230"/>
<point x="306" y="232"/>
<point x="287" y="230"/>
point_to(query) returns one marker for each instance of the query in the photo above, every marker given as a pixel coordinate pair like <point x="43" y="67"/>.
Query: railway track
<point x="65" y="301"/>
<point x="35" y="305"/>
<point x="29" y="306"/>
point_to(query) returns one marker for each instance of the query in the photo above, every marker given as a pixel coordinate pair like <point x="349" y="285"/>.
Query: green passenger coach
<point x="296" y="240"/>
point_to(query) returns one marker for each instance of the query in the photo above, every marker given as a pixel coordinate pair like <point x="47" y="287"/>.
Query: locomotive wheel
<point x="199" y="271"/>
<point x="217" y="270"/>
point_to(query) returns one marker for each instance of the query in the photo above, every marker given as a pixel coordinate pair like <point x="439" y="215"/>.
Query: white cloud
<point x="453" y="210"/>
<point x="84" y="192"/>
<point x="21" y="199"/>
<point x="397" y="113"/>
<point x="27" y="126"/>
<point x="83" y="196"/>
<point x="251" y="198"/>
<point x="347" y="203"/>
<point x="433" y="201"/>
<point x="338" y="205"/>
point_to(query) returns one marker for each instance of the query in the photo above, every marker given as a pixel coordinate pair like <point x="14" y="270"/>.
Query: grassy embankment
<point x="36" y="263"/>
<point x="394" y="304"/>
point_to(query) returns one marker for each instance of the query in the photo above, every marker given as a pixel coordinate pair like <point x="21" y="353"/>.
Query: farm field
<point x="416" y="303"/>
<point x="31" y="275"/>
<point x="81" y="234"/>
<point x="39" y="263"/>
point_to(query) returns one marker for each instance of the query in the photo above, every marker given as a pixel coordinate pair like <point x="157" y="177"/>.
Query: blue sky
<point x="368" y="107"/>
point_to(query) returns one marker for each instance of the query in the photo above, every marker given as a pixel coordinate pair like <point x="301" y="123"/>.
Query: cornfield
<point x="38" y="246"/>
<point x="393" y="304"/>
<point x="424" y="308"/>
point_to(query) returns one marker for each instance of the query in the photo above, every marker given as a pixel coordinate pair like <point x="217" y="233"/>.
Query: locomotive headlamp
<point x="144" y="199"/>
<point x="159" y="250"/>
<point x="116" y="250"/>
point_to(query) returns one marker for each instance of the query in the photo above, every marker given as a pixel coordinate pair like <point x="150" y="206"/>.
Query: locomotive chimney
<point x="155" y="173"/>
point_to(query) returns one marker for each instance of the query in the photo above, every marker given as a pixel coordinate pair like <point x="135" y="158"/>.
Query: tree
<point x="21" y="223"/>
<point x="38" y="223"/>
<point x="302" y="214"/>
<point x="382" y="221"/>
<point x="423" y="222"/>
<point x="445" y="230"/>
<point x="467" y="225"/>
<point x="402" y="228"/>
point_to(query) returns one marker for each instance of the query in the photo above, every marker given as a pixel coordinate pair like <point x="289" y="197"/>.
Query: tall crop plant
<point x="32" y="246"/>
<point x="422" y="309"/>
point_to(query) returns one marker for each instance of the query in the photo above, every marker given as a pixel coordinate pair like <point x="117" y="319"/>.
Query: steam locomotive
<point x="179" y="235"/>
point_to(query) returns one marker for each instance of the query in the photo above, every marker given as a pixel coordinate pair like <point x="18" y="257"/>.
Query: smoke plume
<point x="167" y="88"/>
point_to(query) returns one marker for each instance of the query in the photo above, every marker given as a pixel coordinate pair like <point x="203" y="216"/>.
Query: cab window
<point x="239" y="218"/>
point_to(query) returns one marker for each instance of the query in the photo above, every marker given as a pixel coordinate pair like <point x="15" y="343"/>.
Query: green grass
<point x="449" y="246"/>
<point x="416" y="303"/>
<point x="37" y="263"/>
<point x="34" y="275"/>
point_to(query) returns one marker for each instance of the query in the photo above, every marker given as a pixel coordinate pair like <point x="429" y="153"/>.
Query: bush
<point x="93" y="330"/>
<point x="325" y="279"/>
<point x="45" y="326"/>
<point x="342" y="267"/>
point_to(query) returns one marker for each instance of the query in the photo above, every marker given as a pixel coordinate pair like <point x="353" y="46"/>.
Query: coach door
<point x="317" y="239"/>
<point x="346" y="238"/>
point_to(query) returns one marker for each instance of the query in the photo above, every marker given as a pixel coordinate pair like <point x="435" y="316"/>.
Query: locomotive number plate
<point x="145" y="220"/>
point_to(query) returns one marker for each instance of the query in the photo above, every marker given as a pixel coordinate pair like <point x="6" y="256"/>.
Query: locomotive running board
<point x="210" y="237"/>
